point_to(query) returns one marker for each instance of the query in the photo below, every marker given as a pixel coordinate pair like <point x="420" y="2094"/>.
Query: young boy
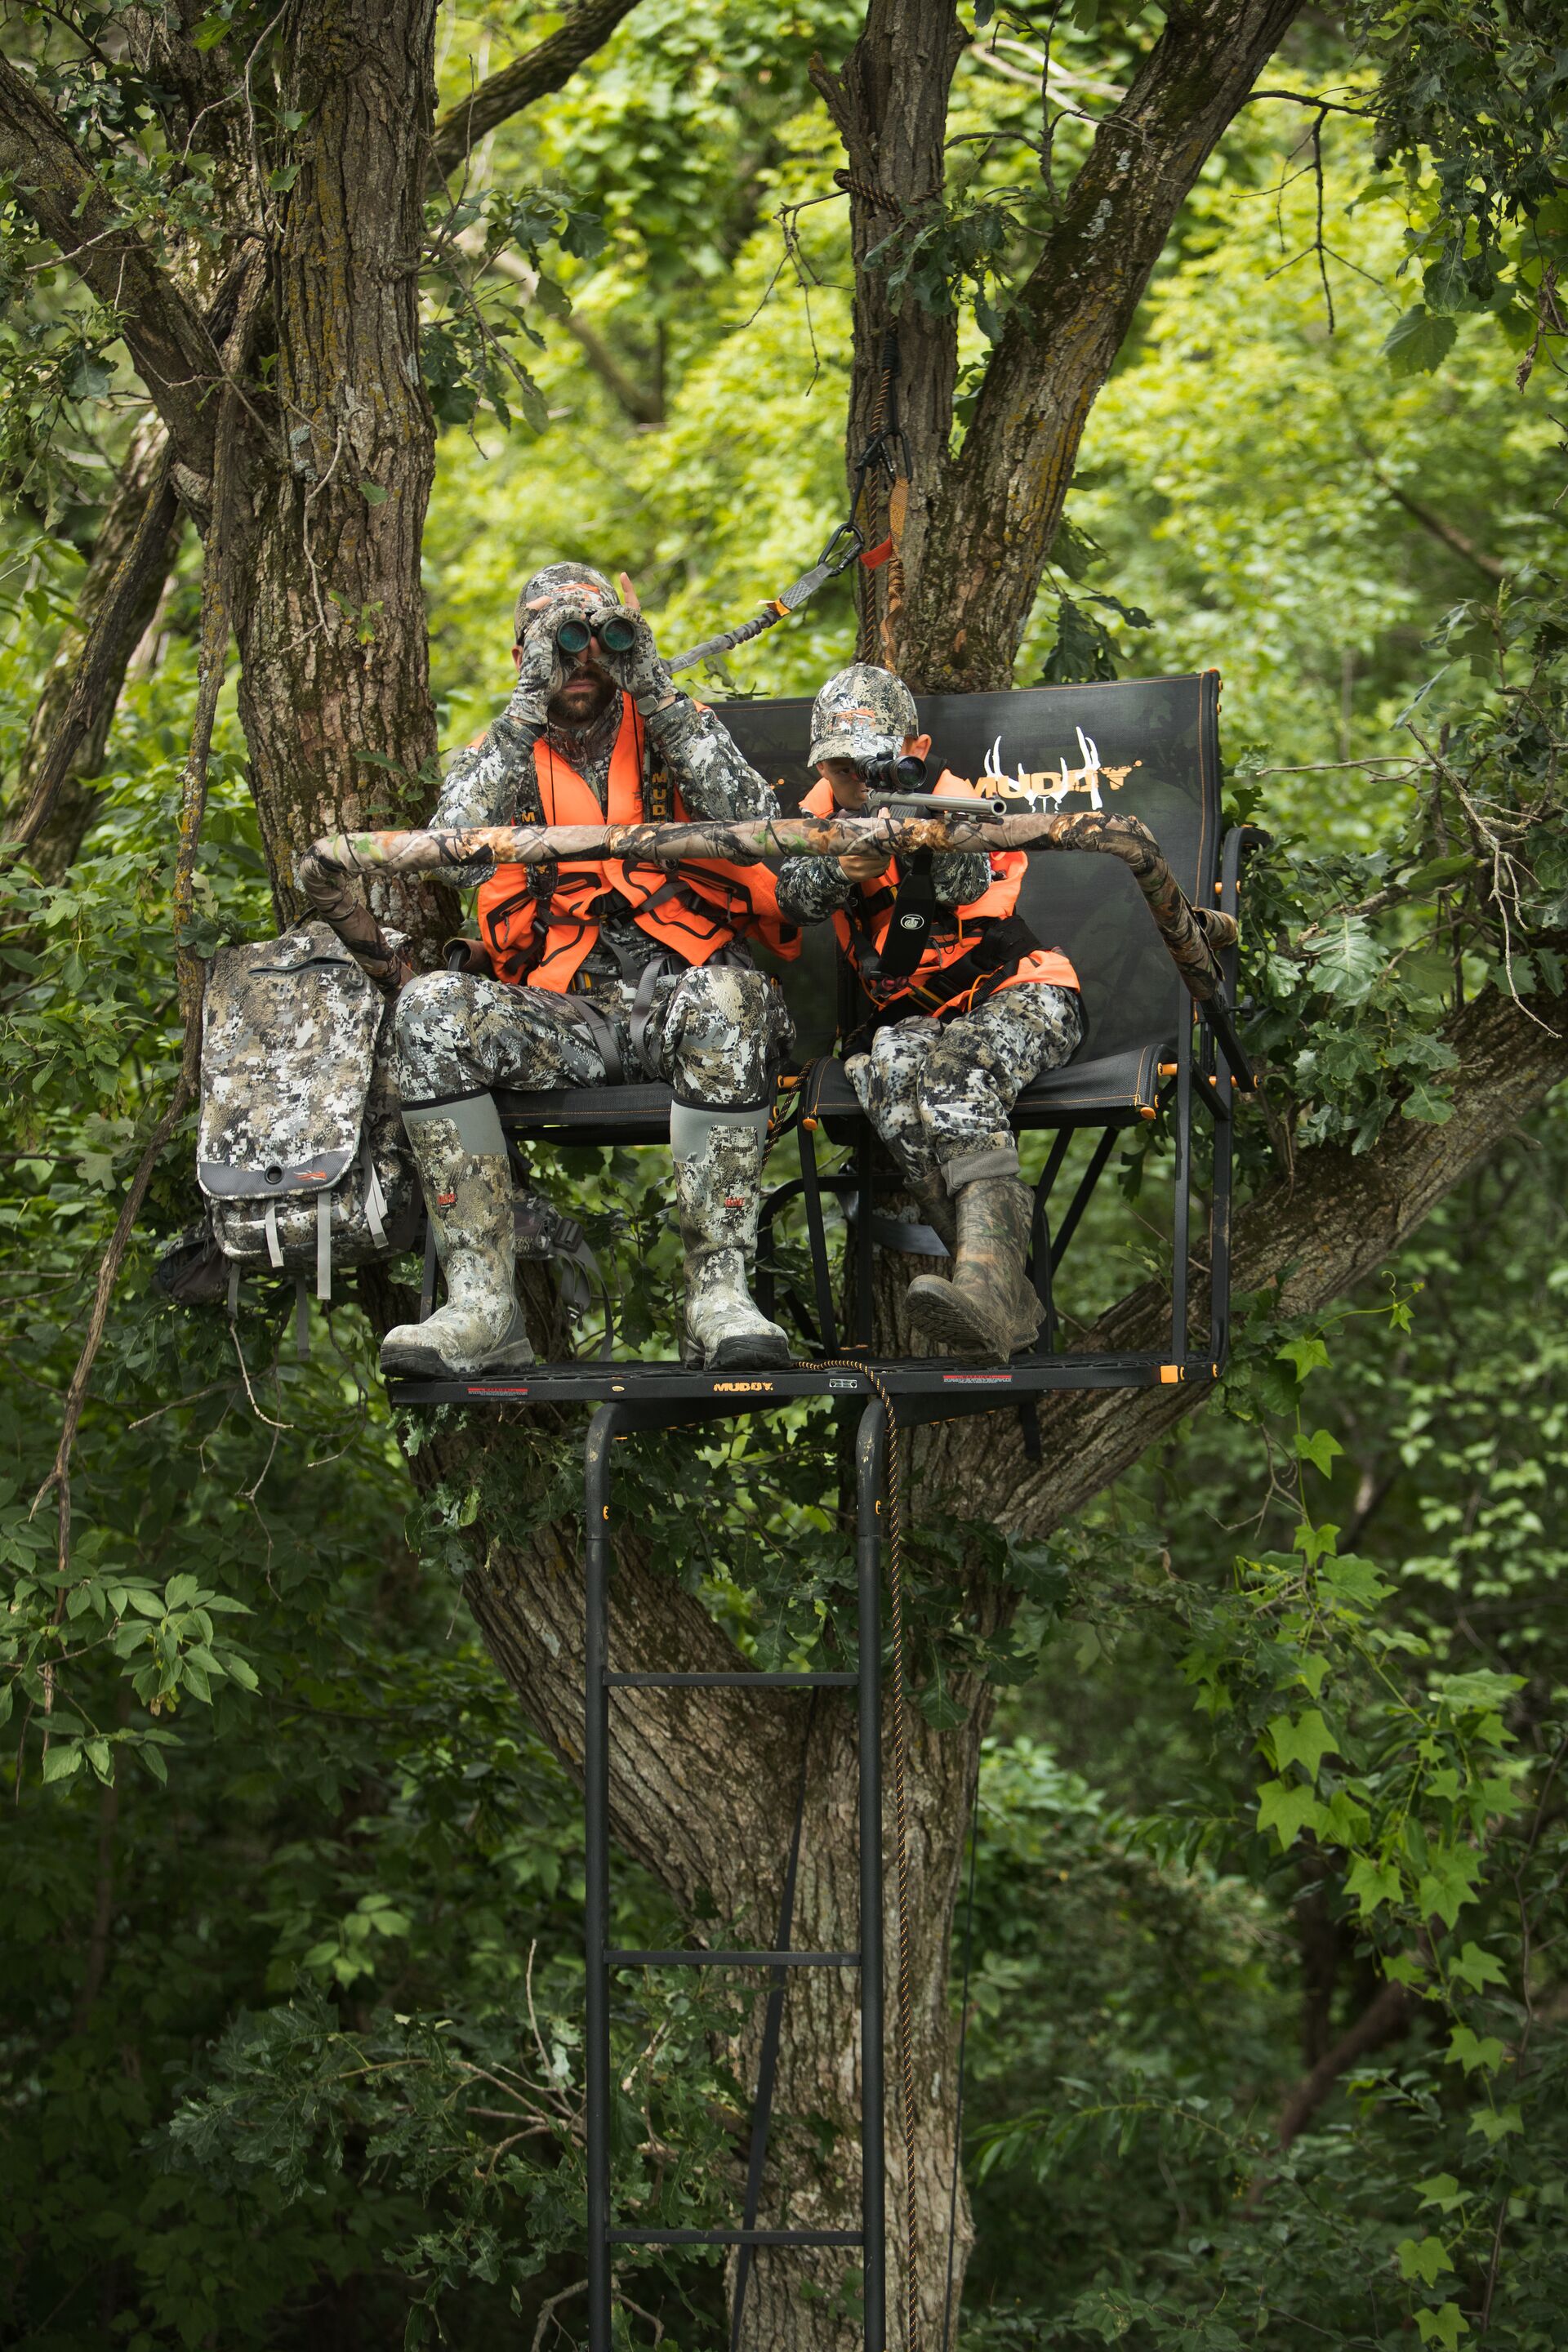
<point x="955" y="1032"/>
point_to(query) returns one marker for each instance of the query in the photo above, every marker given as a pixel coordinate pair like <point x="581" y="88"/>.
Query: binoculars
<point x="616" y="631"/>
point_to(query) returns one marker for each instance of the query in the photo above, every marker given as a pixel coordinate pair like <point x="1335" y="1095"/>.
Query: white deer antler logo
<point x="1054" y="788"/>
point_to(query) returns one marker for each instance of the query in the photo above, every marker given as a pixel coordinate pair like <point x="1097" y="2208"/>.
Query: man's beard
<point x="577" y="717"/>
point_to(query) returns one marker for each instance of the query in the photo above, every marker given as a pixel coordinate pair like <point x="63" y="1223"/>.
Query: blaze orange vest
<point x="540" y="923"/>
<point x="957" y="929"/>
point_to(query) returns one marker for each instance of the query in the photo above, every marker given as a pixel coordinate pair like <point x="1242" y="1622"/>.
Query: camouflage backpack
<point x="300" y="1144"/>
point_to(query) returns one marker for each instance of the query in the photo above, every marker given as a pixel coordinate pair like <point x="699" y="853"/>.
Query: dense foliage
<point x="291" y="1970"/>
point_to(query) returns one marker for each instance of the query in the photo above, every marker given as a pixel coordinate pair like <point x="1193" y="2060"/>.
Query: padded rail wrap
<point x="474" y="1116"/>
<point x="1194" y="936"/>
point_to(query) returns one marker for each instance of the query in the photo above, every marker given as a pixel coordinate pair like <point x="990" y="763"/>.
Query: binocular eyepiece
<point x="616" y="631"/>
<point x="894" y="772"/>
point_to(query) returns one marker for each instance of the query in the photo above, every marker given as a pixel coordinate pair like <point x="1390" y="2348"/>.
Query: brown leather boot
<point x="989" y="1308"/>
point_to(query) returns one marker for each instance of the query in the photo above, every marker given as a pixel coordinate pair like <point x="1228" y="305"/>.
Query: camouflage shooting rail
<point x="327" y="872"/>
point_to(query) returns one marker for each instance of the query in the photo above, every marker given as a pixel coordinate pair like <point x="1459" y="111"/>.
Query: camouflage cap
<point x="550" y="581"/>
<point x="863" y="713"/>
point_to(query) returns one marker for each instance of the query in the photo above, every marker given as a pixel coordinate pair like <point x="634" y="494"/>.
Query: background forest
<point x="1265" y="1989"/>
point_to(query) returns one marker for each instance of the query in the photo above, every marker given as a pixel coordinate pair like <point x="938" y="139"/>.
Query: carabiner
<point x="850" y="531"/>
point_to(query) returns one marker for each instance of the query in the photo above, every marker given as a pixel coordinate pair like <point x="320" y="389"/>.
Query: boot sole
<point x="416" y="1363"/>
<point x="746" y="1355"/>
<point x="940" y="1318"/>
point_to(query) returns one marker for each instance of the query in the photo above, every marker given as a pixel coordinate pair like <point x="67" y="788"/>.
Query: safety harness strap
<point x="958" y="986"/>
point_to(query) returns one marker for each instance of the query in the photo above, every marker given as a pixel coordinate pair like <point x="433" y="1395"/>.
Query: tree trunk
<point x="328" y="608"/>
<point x="889" y="104"/>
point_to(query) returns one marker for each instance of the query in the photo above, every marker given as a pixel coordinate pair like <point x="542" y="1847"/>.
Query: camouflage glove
<point x="639" y="673"/>
<point x="539" y="673"/>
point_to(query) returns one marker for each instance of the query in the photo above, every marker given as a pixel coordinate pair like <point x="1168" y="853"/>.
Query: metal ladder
<point x="611" y="1422"/>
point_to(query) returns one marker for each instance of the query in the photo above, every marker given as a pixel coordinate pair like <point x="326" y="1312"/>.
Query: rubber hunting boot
<point x="934" y="1202"/>
<point x="989" y="1308"/>
<point x="460" y="1153"/>
<point x="718" y="1183"/>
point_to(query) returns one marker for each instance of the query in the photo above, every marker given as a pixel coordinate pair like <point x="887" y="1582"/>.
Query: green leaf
<point x="1319" y="1447"/>
<point x="1438" y="869"/>
<point x="1306" y="1741"/>
<point x="63" y="1757"/>
<point x="210" y="31"/>
<point x="1478" y="1968"/>
<point x="1470" y="2051"/>
<point x="1355" y="1580"/>
<point x="1372" y="1882"/>
<point x="98" y="1755"/>
<point x="180" y="1591"/>
<point x="1286" y="1807"/>
<point x="1308" y="1354"/>
<point x="1418" y="342"/>
<point x="372" y="494"/>
<point x="1497" y="2122"/>
<point x="1442" y="2191"/>
<point x="1423" y="2261"/>
<point x="1406" y="1969"/>
<point x="1445" y="2326"/>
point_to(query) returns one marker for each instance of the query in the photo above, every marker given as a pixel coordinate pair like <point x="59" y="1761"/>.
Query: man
<point x="607" y="973"/>
<point x="959" y="1024"/>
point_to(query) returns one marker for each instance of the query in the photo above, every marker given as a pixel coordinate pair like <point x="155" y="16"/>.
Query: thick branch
<point x="534" y="74"/>
<point x="996" y="510"/>
<point x="173" y="353"/>
<point x="1441" y="529"/>
<point x="1386" y="2015"/>
<point x="96" y="663"/>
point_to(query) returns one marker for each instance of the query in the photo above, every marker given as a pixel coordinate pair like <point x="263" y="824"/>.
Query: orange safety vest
<point x="539" y="922"/>
<point x="957" y="930"/>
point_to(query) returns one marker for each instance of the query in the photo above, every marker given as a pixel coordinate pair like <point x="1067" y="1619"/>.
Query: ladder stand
<point x="611" y="1422"/>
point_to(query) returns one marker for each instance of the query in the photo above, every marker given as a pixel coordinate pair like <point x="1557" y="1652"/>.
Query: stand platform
<point x="922" y="1388"/>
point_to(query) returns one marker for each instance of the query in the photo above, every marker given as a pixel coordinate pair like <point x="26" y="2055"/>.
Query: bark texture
<point x="329" y="613"/>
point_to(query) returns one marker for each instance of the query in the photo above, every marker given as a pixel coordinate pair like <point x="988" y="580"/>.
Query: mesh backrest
<point x="1163" y="731"/>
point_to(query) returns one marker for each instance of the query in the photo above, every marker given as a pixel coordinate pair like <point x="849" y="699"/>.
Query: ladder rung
<point x="731" y="1959"/>
<point x="736" y="2238"/>
<point x="730" y="1682"/>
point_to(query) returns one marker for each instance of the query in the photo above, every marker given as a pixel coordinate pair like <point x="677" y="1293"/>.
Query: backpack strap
<point x="324" y="1246"/>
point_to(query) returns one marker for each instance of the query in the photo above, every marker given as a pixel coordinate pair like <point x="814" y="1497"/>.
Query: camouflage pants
<point x="716" y="1036"/>
<point x="936" y="1094"/>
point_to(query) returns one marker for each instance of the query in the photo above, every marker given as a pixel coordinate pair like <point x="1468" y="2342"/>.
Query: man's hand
<point x="639" y="672"/>
<point x="538" y="672"/>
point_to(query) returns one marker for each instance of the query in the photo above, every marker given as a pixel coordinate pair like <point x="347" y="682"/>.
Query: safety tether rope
<point x="905" y="2005"/>
<point x="888" y="449"/>
<point x="963" y="2057"/>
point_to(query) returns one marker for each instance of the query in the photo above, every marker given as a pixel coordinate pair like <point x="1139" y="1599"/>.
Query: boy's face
<point x="849" y="785"/>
